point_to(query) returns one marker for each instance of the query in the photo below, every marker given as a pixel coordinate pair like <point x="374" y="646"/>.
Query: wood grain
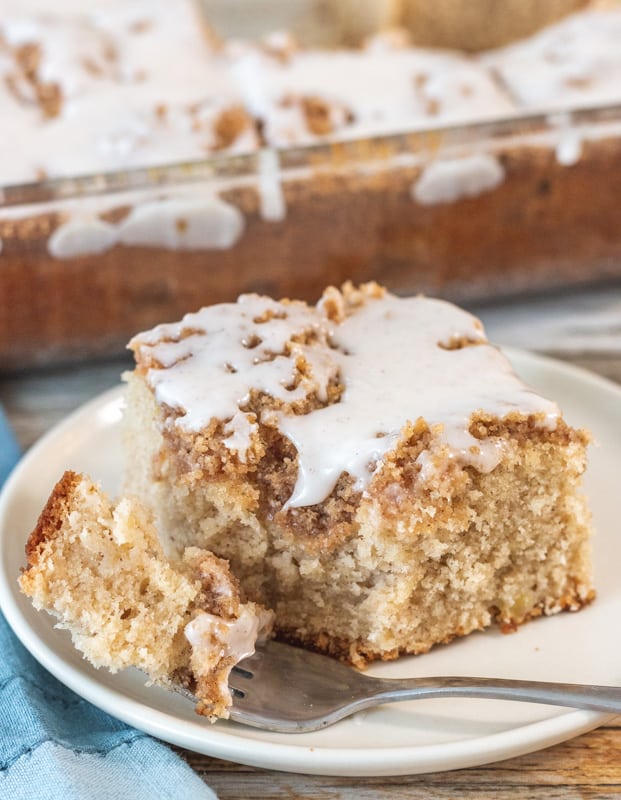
<point x="586" y="767"/>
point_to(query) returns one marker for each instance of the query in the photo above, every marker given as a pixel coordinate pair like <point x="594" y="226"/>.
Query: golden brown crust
<point x="52" y="517"/>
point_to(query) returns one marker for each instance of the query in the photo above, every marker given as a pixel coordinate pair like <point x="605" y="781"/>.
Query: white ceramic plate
<point x="407" y="738"/>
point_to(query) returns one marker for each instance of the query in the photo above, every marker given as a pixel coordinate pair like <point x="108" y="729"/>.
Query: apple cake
<point x="371" y="467"/>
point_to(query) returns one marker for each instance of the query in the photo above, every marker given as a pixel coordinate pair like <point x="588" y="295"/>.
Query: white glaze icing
<point x="574" y="63"/>
<point x="177" y="224"/>
<point x="426" y="89"/>
<point x="220" y="370"/>
<point x="444" y="180"/>
<point x="212" y="636"/>
<point x="569" y="148"/>
<point x="569" y="138"/>
<point x="192" y="218"/>
<point x="273" y="206"/>
<point x="81" y="236"/>
<point x="140" y="86"/>
<point x="210" y="373"/>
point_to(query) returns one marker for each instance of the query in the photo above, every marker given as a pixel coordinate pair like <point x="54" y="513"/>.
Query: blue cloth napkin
<point x="56" y="746"/>
<point x="9" y="450"/>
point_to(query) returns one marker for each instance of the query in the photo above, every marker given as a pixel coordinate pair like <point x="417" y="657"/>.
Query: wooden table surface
<point x="580" y="327"/>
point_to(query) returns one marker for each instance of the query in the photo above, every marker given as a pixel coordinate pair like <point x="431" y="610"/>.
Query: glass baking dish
<point x="468" y="212"/>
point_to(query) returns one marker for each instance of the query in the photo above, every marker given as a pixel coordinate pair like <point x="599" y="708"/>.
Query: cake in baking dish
<point x="414" y="168"/>
<point x="371" y="467"/>
<point x="99" y="568"/>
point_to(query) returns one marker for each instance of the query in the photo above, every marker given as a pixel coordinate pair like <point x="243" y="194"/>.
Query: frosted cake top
<point x="89" y="87"/>
<point x="397" y="360"/>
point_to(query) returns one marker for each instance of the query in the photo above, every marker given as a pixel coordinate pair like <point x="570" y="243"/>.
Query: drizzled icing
<point x="211" y="635"/>
<point x="214" y="638"/>
<point x="223" y="353"/>
<point x="447" y="180"/>
<point x="395" y="358"/>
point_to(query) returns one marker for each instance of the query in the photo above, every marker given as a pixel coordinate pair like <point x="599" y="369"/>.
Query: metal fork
<point x="289" y="690"/>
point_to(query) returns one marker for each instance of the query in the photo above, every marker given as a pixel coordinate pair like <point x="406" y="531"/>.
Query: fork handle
<point x="571" y="695"/>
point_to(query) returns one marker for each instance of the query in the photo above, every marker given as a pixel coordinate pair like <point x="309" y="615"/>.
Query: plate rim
<point x="290" y="757"/>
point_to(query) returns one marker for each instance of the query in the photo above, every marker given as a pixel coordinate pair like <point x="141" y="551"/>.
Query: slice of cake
<point x="99" y="568"/>
<point x="371" y="467"/>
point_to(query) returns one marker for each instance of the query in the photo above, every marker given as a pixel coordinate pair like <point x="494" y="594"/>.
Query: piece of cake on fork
<point x="99" y="568"/>
<point x="371" y="467"/>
